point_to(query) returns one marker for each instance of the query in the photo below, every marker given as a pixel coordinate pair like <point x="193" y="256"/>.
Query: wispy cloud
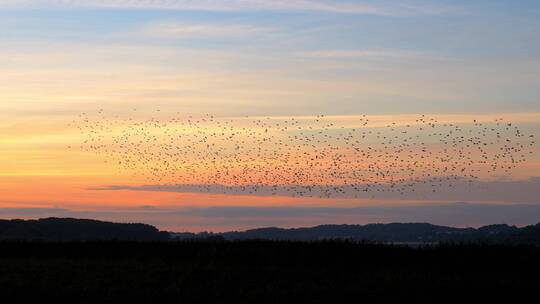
<point x="501" y="190"/>
<point x="359" y="54"/>
<point x="342" y="7"/>
<point x="182" y="29"/>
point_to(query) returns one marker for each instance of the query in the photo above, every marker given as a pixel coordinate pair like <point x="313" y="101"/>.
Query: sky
<point x="453" y="60"/>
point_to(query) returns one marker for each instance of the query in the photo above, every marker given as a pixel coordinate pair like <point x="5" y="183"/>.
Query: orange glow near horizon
<point x="39" y="167"/>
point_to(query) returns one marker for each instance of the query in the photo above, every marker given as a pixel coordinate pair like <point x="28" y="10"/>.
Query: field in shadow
<point x="263" y="271"/>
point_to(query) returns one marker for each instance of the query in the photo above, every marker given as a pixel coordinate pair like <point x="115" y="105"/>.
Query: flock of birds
<point x="304" y="156"/>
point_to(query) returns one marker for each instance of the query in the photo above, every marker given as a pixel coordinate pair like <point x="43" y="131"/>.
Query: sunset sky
<point x="457" y="61"/>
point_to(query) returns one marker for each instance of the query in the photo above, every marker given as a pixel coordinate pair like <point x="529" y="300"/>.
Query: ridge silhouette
<point x="71" y="229"/>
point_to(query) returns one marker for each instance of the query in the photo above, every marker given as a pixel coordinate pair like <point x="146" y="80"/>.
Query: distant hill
<point x="394" y="233"/>
<point x="69" y="229"/>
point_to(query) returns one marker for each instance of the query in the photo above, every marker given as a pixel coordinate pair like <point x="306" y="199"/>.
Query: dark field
<point x="262" y="271"/>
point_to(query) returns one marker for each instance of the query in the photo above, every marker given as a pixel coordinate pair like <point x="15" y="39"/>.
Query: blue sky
<point x="232" y="58"/>
<point x="482" y="55"/>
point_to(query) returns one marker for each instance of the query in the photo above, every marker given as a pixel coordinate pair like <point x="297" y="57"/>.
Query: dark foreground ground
<point x="263" y="271"/>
